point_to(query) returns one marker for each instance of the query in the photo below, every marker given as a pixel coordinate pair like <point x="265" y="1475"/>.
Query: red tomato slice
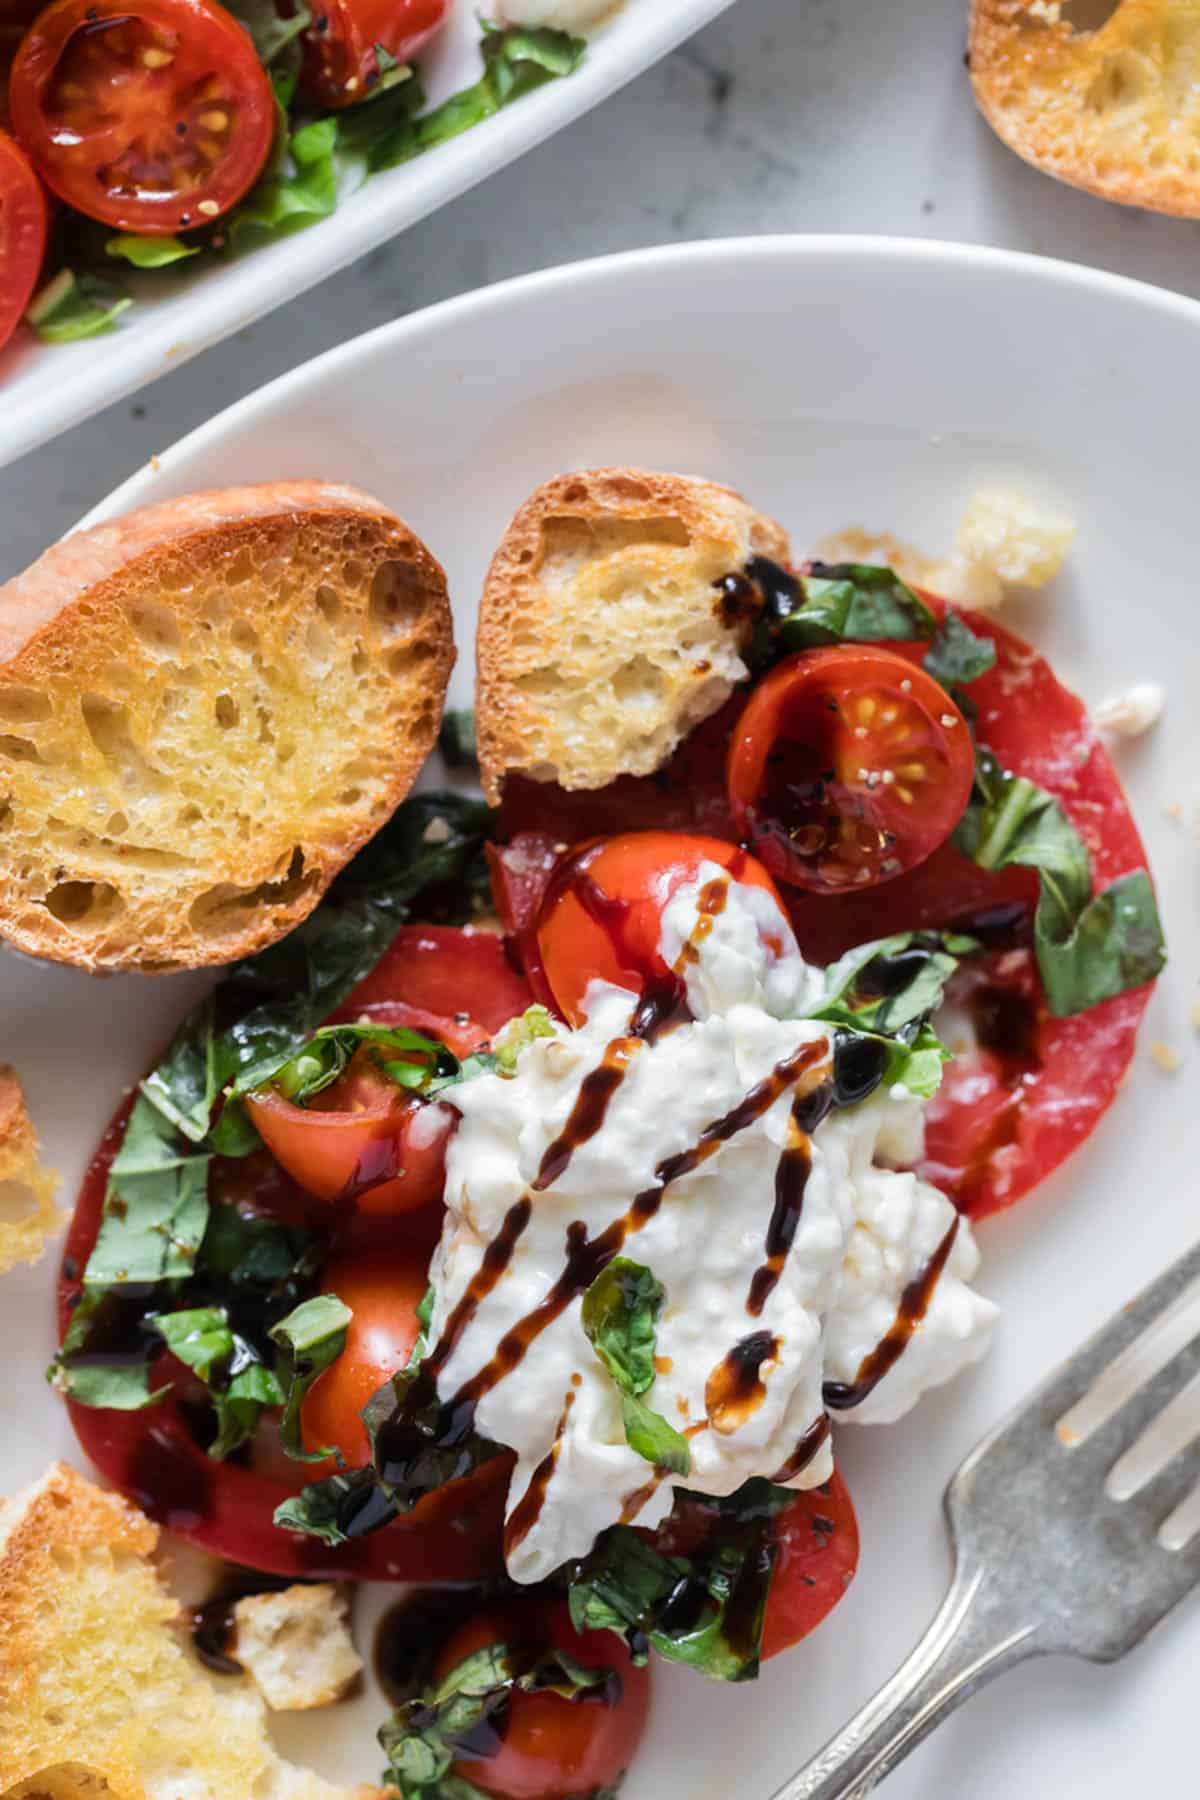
<point x="150" y="115"/>
<point x="601" y="918"/>
<point x="458" y="973"/>
<point x="24" y="223"/>
<point x="817" y="1536"/>
<point x="848" y="766"/>
<point x="383" y="1291"/>
<point x="342" y="45"/>
<point x="550" y="1746"/>
<point x="152" y="1456"/>
<point x="362" y="1143"/>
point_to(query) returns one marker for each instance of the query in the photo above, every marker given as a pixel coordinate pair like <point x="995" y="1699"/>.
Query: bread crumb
<point x="296" y="1647"/>
<point x="436" y="832"/>
<point x="1174" y="811"/>
<point x="1129" y="714"/>
<point x="1164" y="1058"/>
<point x="1021" y="540"/>
<point x="28" y="1214"/>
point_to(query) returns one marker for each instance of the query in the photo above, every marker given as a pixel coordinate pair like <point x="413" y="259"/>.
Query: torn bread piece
<point x="98" y="1695"/>
<point x="206" y="708"/>
<point x="602" y="636"/>
<point x="1004" y="539"/>
<point x="28" y="1215"/>
<point x="1114" y="110"/>
<point x="295" y="1645"/>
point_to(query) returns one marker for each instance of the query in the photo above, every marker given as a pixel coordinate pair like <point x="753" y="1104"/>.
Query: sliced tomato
<point x="150" y="115"/>
<point x="544" y="1746"/>
<point x="24" y="223"/>
<point x="383" y="1291"/>
<point x="848" y="766"/>
<point x="153" y="1457"/>
<point x="363" y="1143"/>
<point x="342" y="45"/>
<point x="601" y="918"/>
<point x="457" y="973"/>
<point x="817" y="1539"/>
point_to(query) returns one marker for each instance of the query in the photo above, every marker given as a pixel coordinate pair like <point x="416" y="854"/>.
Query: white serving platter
<point x="44" y="388"/>
<point x="836" y="380"/>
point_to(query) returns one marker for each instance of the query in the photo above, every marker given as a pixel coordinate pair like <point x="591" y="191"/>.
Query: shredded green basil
<point x="620" y="1315"/>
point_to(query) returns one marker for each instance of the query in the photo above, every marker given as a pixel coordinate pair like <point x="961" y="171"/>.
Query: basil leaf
<point x="1113" y="944"/>
<point x="918" y="1065"/>
<point x="337" y="1508"/>
<point x="756" y="1499"/>
<point x="956" y="656"/>
<point x="456" y="739"/>
<point x="184" y="1085"/>
<point x="507" y="1045"/>
<point x="199" y="1336"/>
<point x="150" y="252"/>
<point x="74" y="306"/>
<point x="882" y="987"/>
<point x="156" y="1208"/>
<point x="122" y="1387"/>
<point x="311" y="1338"/>
<point x="620" y="1314"/>
<point x="681" y="1606"/>
<point x="428" y="1733"/>
<point x="651" y="1436"/>
<point x="1088" y="948"/>
<point x="271" y="33"/>
<point x="238" y="1382"/>
<point x="239" y="1407"/>
<point x="300" y="183"/>
<point x="864" y="602"/>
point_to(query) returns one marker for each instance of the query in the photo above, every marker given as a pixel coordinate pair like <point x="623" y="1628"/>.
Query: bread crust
<point x="98" y="1694"/>
<point x="144" y="827"/>
<point x="28" y="1214"/>
<point x="608" y="579"/>
<point x="1113" y="111"/>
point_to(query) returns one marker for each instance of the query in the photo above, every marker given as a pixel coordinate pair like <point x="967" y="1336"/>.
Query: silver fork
<point x="1091" y="1581"/>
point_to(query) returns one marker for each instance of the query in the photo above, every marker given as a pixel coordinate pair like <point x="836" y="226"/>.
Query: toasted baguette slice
<point x="28" y="1215"/>
<point x="98" y="1694"/>
<point x="205" y="709"/>
<point x="1114" y="110"/>
<point x="602" y="638"/>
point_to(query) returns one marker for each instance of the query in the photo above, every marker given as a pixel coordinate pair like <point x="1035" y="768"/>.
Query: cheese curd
<point x="862" y="1235"/>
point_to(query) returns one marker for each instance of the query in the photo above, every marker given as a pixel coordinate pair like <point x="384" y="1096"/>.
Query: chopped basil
<point x="1088" y="947"/>
<point x="425" y="1066"/>
<point x="705" y="1610"/>
<point x="311" y="1338"/>
<point x="860" y="602"/>
<point x="429" y="1732"/>
<point x="507" y="1045"/>
<point x="620" y="1315"/>
<point x="456" y="739"/>
<point x="956" y="656"/>
<point x="149" y="252"/>
<point x="896" y="981"/>
<point x="239" y="1383"/>
<point x="76" y="304"/>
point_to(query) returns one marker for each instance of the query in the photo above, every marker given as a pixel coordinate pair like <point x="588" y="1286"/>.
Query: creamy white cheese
<point x="863" y="1234"/>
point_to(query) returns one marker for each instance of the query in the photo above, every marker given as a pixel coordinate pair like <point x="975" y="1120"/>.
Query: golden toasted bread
<point x="602" y="638"/>
<point x="205" y="709"/>
<point x="98" y="1694"/>
<point x="295" y="1645"/>
<point x="28" y="1215"/>
<point x="1115" y="110"/>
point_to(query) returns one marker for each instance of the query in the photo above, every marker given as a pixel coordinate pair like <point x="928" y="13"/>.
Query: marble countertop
<point x="785" y="115"/>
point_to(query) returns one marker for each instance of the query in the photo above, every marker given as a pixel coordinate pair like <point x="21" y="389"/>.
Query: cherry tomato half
<point x="383" y="1291"/>
<point x="364" y="1141"/>
<point x="602" y="914"/>
<point x="24" y="222"/>
<point x="817" y="1539"/>
<point x="342" y="45"/>
<point x="545" y="1746"/>
<point x="848" y="766"/>
<point x="151" y="115"/>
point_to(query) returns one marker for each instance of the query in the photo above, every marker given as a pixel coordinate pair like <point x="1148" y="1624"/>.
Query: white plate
<point x="44" y="388"/>
<point x="835" y="380"/>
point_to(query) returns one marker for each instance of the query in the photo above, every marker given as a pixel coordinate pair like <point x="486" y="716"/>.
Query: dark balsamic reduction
<point x="1005" y="1021"/>
<point x="914" y="1304"/>
<point x="1002" y="927"/>
<point x="524" y="1515"/>
<point x="791" y="1179"/>
<point x="214" y="1625"/>
<point x="171" y="1486"/>
<point x="412" y="1630"/>
<point x="806" y="1448"/>
<point x="884" y="976"/>
<point x="588" y="1113"/>
<point x="735" y="1389"/>
<point x="859" y="1065"/>
<point x="762" y="590"/>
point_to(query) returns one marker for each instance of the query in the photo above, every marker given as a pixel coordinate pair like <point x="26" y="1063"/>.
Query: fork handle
<point x="964" y="1647"/>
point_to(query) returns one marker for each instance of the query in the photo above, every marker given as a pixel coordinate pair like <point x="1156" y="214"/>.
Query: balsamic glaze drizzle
<point x="914" y="1304"/>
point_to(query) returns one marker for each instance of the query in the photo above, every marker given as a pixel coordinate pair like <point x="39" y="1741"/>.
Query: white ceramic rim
<point x="781" y="249"/>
